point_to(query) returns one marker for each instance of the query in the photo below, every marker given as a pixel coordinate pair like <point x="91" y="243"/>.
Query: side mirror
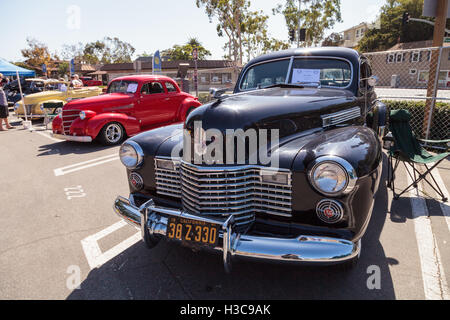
<point x="372" y="81"/>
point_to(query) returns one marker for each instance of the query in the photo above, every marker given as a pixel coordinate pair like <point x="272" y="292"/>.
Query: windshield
<point x="123" y="87"/>
<point x="327" y="72"/>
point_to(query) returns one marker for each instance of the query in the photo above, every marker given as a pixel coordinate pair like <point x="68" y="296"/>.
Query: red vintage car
<point x="89" y="82"/>
<point x="131" y="105"/>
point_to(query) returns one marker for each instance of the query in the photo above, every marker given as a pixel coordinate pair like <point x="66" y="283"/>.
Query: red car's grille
<point x="68" y="117"/>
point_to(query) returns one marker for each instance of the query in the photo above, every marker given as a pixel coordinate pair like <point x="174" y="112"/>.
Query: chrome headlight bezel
<point x="340" y="164"/>
<point x="138" y="155"/>
<point x="82" y="115"/>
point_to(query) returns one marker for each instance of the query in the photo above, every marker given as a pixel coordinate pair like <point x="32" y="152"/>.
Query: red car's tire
<point x="111" y="134"/>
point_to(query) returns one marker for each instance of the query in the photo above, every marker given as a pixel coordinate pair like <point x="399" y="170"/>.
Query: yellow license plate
<point x="193" y="231"/>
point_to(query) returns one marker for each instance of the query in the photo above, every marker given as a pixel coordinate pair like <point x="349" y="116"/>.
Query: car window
<point x="170" y="87"/>
<point x="123" y="87"/>
<point x="145" y="89"/>
<point x="265" y="74"/>
<point x="329" y="72"/>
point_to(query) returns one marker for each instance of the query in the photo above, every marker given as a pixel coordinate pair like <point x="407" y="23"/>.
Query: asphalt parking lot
<point x="57" y="226"/>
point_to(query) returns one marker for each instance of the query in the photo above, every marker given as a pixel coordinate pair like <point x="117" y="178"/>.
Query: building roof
<point x="201" y="64"/>
<point x="365" y="24"/>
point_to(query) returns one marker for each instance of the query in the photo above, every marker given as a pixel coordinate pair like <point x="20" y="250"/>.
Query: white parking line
<point x="433" y="275"/>
<point x="44" y="134"/>
<point x="95" y="256"/>
<point x="445" y="207"/>
<point x="85" y="164"/>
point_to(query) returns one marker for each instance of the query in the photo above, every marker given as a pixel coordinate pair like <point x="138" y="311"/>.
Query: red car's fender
<point x="95" y="124"/>
<point x="185" y="106"/>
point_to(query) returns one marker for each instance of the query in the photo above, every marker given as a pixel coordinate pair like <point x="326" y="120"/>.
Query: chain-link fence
<point x="417" y="80"/>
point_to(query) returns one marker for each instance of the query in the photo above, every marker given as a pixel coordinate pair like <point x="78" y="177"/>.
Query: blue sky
<point x="148" y="25"/>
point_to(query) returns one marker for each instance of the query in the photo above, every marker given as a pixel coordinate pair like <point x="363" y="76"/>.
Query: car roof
<point x="143" y="78"/>
<point x="346" y="53"/>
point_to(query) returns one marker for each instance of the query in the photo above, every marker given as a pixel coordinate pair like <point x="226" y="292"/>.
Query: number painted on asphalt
<point x="74" y="192"/>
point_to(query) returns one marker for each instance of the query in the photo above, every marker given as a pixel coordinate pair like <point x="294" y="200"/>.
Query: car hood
<point x="104" y="103"/>
<point x="290" y="110"/>
<point x="44" y="96"/>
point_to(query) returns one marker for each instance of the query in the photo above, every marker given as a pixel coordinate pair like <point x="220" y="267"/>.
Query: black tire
<point x="111" y="134"/>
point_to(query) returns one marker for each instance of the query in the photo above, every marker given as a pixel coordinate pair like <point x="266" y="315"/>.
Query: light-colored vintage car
<point x="55" y="95"/>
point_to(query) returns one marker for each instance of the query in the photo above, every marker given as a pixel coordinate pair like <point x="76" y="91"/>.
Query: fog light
<point x="275" y="177"/>
<point x="136" y="181"/>
<point x="168" y="165"/>
<point x="330" y="211"/>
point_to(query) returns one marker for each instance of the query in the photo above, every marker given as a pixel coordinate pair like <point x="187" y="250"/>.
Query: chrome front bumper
<point x="72" y="138"/>
<point x="153" y="222"/>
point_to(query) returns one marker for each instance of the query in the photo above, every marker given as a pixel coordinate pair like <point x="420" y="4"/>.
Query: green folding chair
<point x="407" y="149"/>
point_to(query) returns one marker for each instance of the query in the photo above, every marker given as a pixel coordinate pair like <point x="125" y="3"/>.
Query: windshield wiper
<point x="285" y="85"/>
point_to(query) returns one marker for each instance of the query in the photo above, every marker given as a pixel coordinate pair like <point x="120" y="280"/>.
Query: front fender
<point x="185" y="106"/>
<point x="95" y="124"/>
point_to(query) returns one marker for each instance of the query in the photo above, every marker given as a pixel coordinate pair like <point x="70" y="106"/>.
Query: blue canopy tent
<point x="9" y="69"/>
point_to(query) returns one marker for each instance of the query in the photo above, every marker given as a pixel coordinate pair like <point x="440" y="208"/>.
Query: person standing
<point x="4" y="112"/>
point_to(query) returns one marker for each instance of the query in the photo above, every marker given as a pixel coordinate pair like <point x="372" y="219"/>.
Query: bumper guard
<point x="71" y="138"/>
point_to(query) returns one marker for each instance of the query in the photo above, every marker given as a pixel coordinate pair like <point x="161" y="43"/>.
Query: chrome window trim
<point x="352" y="177"/>
<point x="259" y="63"/>
<point x="292" y="59"/>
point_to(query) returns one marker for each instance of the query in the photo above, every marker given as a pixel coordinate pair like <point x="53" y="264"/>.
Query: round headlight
<point x="131" y="155"/>
<point x="82" y="115"/>
<point x="332" y="176"/>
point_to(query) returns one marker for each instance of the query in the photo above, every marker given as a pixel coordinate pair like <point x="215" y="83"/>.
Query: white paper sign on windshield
<point x="306" y="76"/>
<point x="132" y="87"/>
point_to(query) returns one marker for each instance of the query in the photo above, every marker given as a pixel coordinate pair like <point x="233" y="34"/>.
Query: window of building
<point x="412" y="71"/>
<point x="390" y="58"/>
<point x="357" y="33"/>
<point x="425" y="55"/>
<point x="415" y="56"/>
<point x="399" y="57"/>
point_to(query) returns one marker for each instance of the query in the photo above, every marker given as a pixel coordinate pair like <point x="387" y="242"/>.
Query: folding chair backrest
<point x="405" y="142"/>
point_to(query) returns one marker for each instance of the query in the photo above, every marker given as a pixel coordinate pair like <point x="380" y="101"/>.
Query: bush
<point x="440" y="125"/>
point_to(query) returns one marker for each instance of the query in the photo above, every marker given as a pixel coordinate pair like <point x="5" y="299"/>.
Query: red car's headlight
<point x="87" y="114"/>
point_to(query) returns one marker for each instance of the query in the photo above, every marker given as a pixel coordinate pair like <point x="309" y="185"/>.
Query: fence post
<point x="432" y="92"/>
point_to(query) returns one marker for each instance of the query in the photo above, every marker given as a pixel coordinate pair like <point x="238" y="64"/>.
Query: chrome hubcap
<point x="113" y="133"/>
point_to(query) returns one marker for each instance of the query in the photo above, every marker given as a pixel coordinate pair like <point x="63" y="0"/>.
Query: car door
<point x="150" y="111"/>
<point x="173" y="100"/>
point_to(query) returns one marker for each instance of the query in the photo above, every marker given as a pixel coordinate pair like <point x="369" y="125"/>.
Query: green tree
<point x="108" y="50"/>
<point x="37" y="54"/>
<point x="184" y="52"/>
<point x="256" y="40"/>
<point x="333" y="40"/>
<point x="316" y="16"/>
<point x="230" y="15"/>
<point x="391" y="30"/>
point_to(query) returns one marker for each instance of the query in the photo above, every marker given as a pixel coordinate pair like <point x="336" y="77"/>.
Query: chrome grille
<point x="341" y="116"/>
<point x="168" y="182"/>
<point x="68" y="117"/>
<point x="220" y="192"/>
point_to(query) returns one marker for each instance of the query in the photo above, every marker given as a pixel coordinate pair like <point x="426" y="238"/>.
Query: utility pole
<point x="299" y="25"/>
<point x="433" y="82"/>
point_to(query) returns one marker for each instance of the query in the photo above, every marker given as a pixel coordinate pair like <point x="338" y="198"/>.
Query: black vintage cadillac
<point x="208" y="185"/>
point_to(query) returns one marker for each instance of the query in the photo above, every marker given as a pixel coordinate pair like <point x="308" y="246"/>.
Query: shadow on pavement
<point x="66" y="147"/>
<point x="173" y="272"/>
